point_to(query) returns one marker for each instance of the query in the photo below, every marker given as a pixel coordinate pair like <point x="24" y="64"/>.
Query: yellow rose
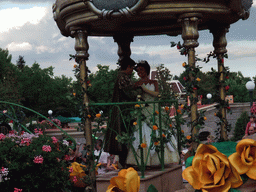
<point x="244" y="160"/>
<point x="77" y="170"/>
<point x="211" y="171"/>
<point x="205" y="118"/>
<point x="184" y="64"/>
<point x="79" y="173"/>
<point x="198" y="79"/>
<point x="135" y="123"/>
<point x="127" y="180"/>
<point x="157" y="112"/>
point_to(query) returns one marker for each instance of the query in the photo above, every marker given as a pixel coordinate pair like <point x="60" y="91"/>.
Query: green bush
<point x="240" y="126"/>
<point x="33" y="162"/>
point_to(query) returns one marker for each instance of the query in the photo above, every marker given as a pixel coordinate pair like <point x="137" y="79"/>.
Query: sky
<point x="27" y="28"/>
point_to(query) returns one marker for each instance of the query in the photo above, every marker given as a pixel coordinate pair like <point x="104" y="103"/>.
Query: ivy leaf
<point x="173" y="44"/>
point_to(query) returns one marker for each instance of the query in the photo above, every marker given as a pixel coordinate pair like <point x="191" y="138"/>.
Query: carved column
<point x="124" y="42"/>
<point x="82" y="47"/>
<point x="190" y="35"/>
<point x="220" y="43"/>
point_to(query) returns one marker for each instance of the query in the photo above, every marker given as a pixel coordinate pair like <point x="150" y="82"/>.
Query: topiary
<point x="240" y="126"/>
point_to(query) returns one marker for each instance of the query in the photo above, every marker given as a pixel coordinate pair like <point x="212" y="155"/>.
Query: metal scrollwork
<point x="116" y="8"/>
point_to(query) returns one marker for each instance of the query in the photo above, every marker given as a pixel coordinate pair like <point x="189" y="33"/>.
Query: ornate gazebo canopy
<point x="144" y="17"/>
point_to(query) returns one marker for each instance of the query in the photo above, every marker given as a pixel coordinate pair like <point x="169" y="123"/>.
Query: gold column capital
<point x="219" y="39"/>
<point x="189" y="22"/>
<point x="81" y="43"/>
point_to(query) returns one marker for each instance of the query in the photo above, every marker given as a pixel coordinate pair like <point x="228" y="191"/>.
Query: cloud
<point x="254" y="3"/>
<point x="15" y="47"/>
<point x="15" y="18"/>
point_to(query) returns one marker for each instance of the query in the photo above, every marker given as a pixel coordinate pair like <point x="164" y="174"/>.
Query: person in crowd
<point x="251" y="131"/>
<point x="251" y="123"/>
<point x="210" y="139"/>
<point x="103" y="157"/>
<point x="84" y="154"/>
<point x="74" y="154"/>
<point x="124" y="91"/>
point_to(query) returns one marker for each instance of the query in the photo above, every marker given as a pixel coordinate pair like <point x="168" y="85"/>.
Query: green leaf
<point x="173" y="44"/>
<point x="152" y="188"/>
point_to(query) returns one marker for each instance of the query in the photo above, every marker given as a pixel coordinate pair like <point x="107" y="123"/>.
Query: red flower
<point x="228" y="108"/>
<point x="194" y="88"/>
<point x="227" y="77"/>
<point x="47" y="148"/>
<point x="11" y="121"/>
<point x="66" y="157"/>
<point x="178" y="47"/>
<point x="184" y="78"/>
<point x="222" y="60"/>
<point x="88" y="82"/>
<point x="227" y="88"/>
<point x="38" y="159"/>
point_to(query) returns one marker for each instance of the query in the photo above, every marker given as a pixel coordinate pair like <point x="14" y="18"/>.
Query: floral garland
<point x="191" y="83"/>
<point x="194" y="85"/>
<point x="216" y="96"/>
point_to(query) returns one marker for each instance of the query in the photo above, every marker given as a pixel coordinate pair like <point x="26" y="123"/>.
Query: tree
<point x="8" y="78"/>
<point x="236" y="82"/>
<point x="240" y="126"/>
<point x="102" y="84"/>
<point x="42" y="91"/>
<point x="21" y="62"/>
<point x="237" y="88"/>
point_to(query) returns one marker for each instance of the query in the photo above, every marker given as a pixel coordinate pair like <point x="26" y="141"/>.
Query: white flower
<point x="65" y="142"/>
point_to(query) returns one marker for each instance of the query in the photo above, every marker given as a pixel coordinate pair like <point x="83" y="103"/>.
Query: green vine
<point x="192" y="83"/>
